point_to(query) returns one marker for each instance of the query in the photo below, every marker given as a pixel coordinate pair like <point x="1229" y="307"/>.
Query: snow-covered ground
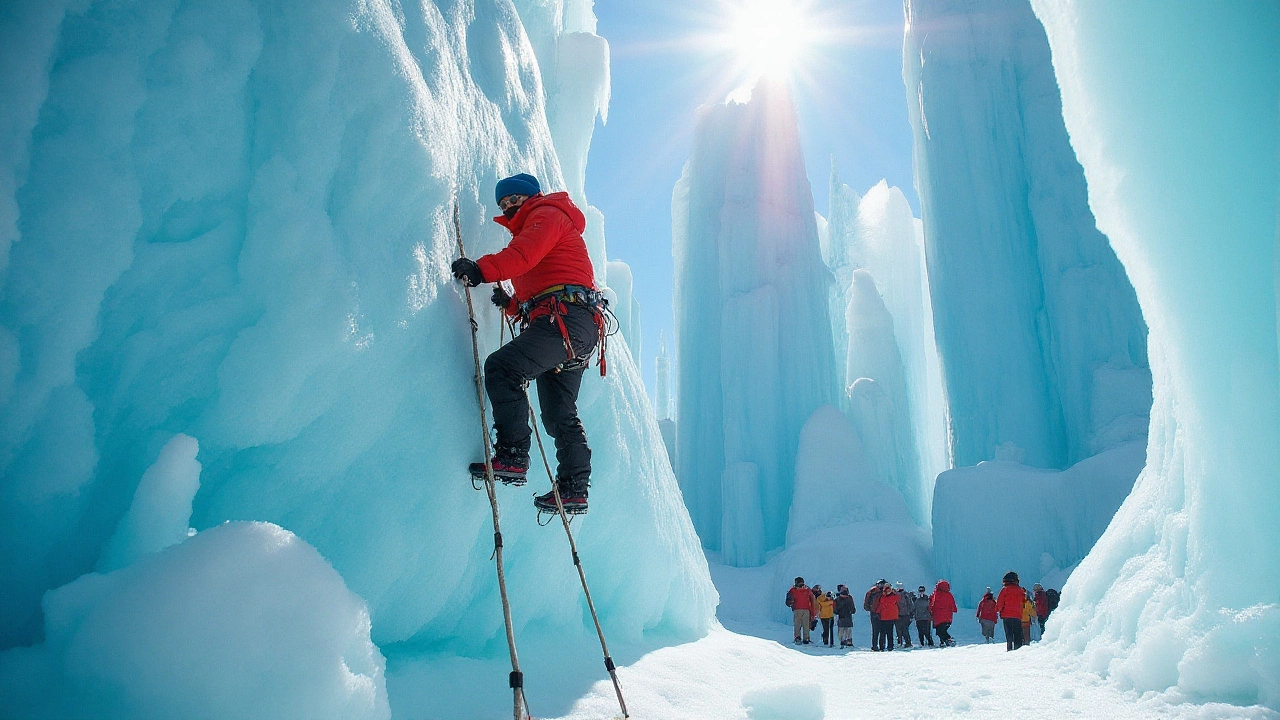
<point x="732" y="675"/>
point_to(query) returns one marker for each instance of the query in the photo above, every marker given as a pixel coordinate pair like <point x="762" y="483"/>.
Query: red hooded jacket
<point x="889" y="605"/>
<point x="801" y="599"/>
<point x="987" y="608"/>
<point x="942" y="606"/>
<point x="1009" y="602"/>
<point x="546" y="248"/>
<point x="1042" y="603"/>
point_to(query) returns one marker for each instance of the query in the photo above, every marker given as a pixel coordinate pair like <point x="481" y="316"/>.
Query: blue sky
<point x="853" y="107"/>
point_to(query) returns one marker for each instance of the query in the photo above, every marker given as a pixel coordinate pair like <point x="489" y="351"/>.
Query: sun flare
<point x="769" y="36"/>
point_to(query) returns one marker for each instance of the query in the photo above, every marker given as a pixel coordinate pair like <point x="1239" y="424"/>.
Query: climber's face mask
<point x="510" y="204"/>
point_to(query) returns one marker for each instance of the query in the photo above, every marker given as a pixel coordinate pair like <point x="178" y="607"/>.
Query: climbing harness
<point x="516" y="679"/>
<point x="553" y="303"/>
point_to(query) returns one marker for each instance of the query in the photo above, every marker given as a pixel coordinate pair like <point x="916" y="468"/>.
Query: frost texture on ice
<point x="1041" y="338"/>
<point x="754" y="342"/>
<point x="1180" y="592"/>
<point x="230" y="220"/>
<point x="181" y="634"/>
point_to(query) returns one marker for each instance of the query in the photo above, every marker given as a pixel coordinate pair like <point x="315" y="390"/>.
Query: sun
<point x="769" y="37"/>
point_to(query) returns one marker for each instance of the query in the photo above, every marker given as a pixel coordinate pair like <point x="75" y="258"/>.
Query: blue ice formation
<point x="1042" y="342"/>
<point x="755" y="352"/>
<point x="229" y="220"/>
<point x="1174" y="112"/>
<point x="874" y="244"/>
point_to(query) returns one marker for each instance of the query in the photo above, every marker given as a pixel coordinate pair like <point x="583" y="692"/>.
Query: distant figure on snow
<point x="942" y="608"/>
<point x="813" y="619"/>
<point x="800" y="600"/>
<point x="551" y="272"/>
<point x="1042" y="606"/>
<point x="1009" y="605"/>
<point x="924" y="619"/>
<point x="988" y="616"/>
<point x="827" y="615"/>
<point x="888" y="617"/>
<point x="1028" y="615"/>
<point x="871" y="603"/>
<point x="845" y="608"/>
<point x="906" y="612"/>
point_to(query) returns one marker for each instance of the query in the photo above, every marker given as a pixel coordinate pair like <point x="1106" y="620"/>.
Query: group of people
<point x="893" y="609"/>
<point x="1016" y="609"/>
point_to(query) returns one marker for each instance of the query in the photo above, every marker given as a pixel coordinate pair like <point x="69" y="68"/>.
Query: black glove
<point x="500" y="297"/>
<point x="467" y="272"/>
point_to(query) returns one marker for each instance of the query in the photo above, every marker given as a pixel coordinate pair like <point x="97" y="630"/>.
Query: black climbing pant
<point x="1013" y="633"/>
<point x="534" y="355"/>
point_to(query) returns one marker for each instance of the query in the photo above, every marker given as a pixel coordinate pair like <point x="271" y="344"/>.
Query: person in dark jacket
<point x="924" y="620"/>
<point x="906" y="613"/>
<point x="871" y="603"/>
<point x="845" y="610"/>
<point x="553" y="280"/>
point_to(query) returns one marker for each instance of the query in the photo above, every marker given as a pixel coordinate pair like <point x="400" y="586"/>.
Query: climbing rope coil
<point x="521" y="711"/>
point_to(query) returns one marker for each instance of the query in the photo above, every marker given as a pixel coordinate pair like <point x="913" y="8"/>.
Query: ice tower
<point x="755" y="350"/>
<point x="1042" y="343"/>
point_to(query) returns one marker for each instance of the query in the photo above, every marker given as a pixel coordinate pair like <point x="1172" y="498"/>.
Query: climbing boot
<point x="574" y="501"/>
<point x="510" y="466"/>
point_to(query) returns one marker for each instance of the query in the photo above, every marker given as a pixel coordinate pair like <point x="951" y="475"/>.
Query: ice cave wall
<point x="1042" y="342"/>
<point x="229" y="219"/>
<point x="1175" y="115"/>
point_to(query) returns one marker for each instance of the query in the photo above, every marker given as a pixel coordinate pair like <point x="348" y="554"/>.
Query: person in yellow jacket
<point x="1028" y="614"/>
<point x="827" y="614"/>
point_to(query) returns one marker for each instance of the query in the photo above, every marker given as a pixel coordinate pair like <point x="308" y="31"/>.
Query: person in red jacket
<point x="1009" y="605"/>
<point x="1042" y="606"/>
<point x="888" y="605"/>
<point x="988" y="616"/>
<point x="556" y="298"/>
<point x="942" y="606"/>
<point x="801" y="601"/>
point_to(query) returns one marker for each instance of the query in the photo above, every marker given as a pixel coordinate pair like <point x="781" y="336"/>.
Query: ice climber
<point x="1009" y="606"/>
<point x="562" y="321"/>
<point x="800" y="600"/>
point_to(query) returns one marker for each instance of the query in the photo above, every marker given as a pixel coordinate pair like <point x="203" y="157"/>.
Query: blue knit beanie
<point x="522" y="184"/>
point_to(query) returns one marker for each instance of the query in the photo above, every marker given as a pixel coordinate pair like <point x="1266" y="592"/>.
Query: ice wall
<point x="1175" y="115"/>
<point x="839" y="251"/>
<point x="230" y="220"/>
<point x="1042" y="343"/>
<point x="754" y="341"/>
